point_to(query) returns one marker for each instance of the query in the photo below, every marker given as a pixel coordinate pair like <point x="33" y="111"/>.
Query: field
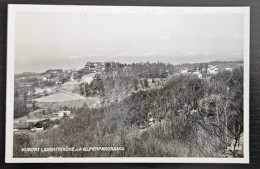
<point x="59" y="97"/>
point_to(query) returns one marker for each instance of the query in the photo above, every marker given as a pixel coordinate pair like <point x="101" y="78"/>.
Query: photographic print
<point x="127" y="84"/>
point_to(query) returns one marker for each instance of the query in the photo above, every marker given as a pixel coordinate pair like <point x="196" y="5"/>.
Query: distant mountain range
<point x="231" y="57"/>
<point x="79" y="61"/>
<point x="180" y="58"/>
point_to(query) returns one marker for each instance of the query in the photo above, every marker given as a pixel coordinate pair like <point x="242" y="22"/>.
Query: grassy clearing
<point x="59" y="97"/>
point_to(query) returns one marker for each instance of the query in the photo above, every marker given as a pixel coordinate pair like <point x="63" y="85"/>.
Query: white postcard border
<point x="12" y="9"/>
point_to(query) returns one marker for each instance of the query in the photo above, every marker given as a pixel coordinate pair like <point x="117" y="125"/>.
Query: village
<point x="38" y="91"/>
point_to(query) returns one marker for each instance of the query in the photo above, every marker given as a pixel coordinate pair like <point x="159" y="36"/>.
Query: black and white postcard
<point x="127" y="84"/>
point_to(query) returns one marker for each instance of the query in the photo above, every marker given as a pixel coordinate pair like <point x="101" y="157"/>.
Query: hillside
<point x="184" y="117"/>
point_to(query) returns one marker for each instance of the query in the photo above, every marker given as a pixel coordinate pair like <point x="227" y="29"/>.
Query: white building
<point x="185" y="71"/>
<point x="37" y="129"/>
<point x="228" y="69"/>
<point x="198" y="74"/>
<point x="127" y="69"/>
<point x="212" y="70"/>
<point x="44" y="78"/>
<point x="63" y="113"/>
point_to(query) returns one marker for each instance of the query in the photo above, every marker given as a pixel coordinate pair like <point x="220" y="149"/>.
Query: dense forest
<point x="184" y="117"/>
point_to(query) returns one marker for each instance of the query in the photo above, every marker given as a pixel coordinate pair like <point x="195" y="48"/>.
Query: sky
<point x="45" y="40"/>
